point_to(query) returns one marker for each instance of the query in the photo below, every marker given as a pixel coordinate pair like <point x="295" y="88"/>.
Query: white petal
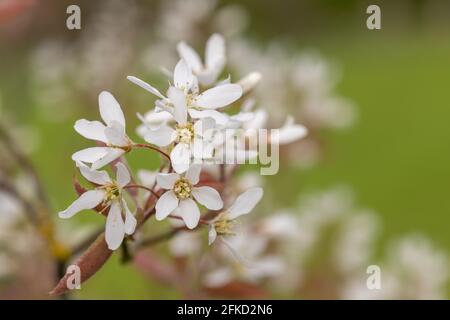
<point x="215" y="60"/>
<point x="154" y="119"/>
<point x="115" y="227"/>
<point x="219" y="96"/>
<point x="208" y="197"/>
<point x="189" y="54"/>
<point x="122" y="175"/>
<point x="147" y="178"/>
<point x="248" y="104"/>
<point x="215" y="51"/>
<point x="269" y="266"/>
<point x="88" y="200"/>
<point x="212" y="234"/>
<point x="204" y="127"/>
<point x="245" y="203"/>
<point x="182" y="75"/>
<point x="193" y="173"/>
<point x="161" y="137"/>
<point x="207" y="77"/>
<point x="115" y="133"/>
<point x="113" y="154"/>
<point x="199" y="149"/>
<point x="259" y="120"/>
<point x="165" y="205"/>
<point x="181" y="157"/>
<point x="250" y="81"/>
<point x="146" y="86"/>
<point x="90" y="155"/>
<point x="190" y="213"/>
<point x="130" y="220"/>
<point x="235" y="253"/>
<point x="167" y="180"/>
<point x="243" y="116"/>
<point x="220" y="118"/>
<point x="289" y="133"/>
<point x="163" y="105"/>
<point x="97" y="177"/>
<point x="202" y="150"/>
<point x="179" y="101"/>
<point x="219" y="277"/>
<point x="94" y="130"/>
<point x="236" y="155"/>
<point x="110" y="109"/>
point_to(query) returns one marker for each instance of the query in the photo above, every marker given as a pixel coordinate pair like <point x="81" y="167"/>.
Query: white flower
<point x="215" y="60"/>
<point x="185" y="243"/>
<point x="152" y="120"/>
<point x="181" y="192"/>
<point x="199" y="105"/>
<point x="259" y="262"/>
<point x="289" y="132"/>
<point x="112" y="134"/>
<point x="249" y="82"/>
<point x="191" y="138"/>
<point x="109" y="194"/>
<point x="222" y="225"/>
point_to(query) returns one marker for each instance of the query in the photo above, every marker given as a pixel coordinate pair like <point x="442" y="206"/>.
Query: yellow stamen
<point x="185" y="133"/>
<point x="182" y="189"/>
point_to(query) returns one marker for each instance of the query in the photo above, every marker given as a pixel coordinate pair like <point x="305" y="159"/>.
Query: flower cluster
<point x="286" y="253"/>
<point x="191" y="127"/>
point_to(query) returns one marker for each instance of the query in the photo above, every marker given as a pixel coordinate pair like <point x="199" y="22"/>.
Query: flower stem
<point x="142" y="187"/>
<point x="147" y="146"/>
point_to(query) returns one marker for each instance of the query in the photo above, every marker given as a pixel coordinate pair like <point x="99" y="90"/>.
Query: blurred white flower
<point x="152" y="120"/>
<point x="254" y="263"/>
<point x="185" y="243"/>
<point x="223" y="224"/>
<point x="215" y="59"/>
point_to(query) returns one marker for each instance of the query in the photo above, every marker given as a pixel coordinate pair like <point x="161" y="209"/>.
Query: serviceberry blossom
<point x="183" y="101"/>
<point x="255" y="262"/>
<point x="223" y="224"/>
<point x="182" y="196"/>
<point x="215" y="60"/>
<point x="191" y="138"/>
<point x="112" y="134"/>
<point x="190" y="128"/>
<point x="108" y="194"/>
<point x="198" y="104"/>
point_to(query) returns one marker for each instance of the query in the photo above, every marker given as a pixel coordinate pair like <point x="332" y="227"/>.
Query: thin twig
<point x="160" y="237"/>
<point x="29" y="209"/>
<point x="26" y="164"/>
<point x="147" y="146"/>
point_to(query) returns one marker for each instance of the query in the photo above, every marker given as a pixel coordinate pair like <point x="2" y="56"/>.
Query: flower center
<point x="182" y="189"/>
<point x="112" y="193"/>
<point x="225" y="226"/>
<point x="185" y="133"/>
<point x="190" y="99"/>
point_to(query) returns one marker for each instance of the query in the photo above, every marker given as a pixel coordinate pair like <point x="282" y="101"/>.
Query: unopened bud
<point x="250" y="81"/>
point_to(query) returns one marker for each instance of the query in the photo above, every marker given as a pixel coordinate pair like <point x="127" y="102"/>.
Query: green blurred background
<point x="396" y="157"/>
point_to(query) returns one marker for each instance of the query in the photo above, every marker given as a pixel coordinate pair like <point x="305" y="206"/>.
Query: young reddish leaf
<point x="89" y="263"/>
<point x="79" y="189"/>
